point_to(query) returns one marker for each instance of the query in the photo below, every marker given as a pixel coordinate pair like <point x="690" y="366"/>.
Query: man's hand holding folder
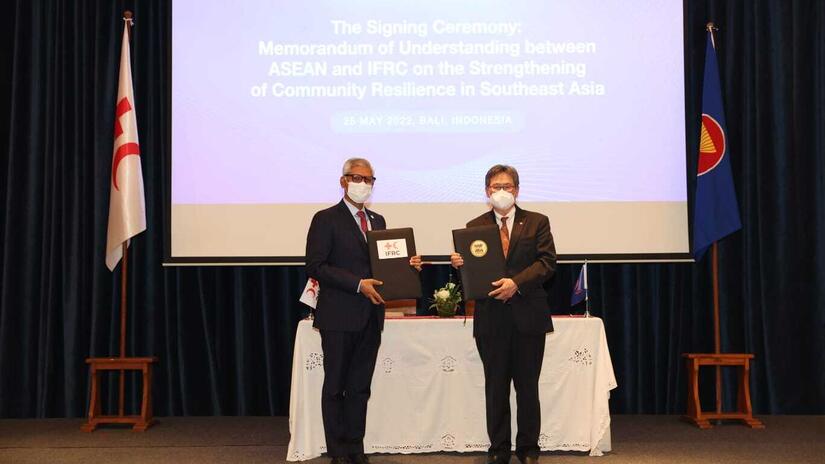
<point x="506" y="287"/>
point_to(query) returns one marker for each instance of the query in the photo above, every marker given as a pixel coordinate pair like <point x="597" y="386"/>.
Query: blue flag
<point x="580" y="289"/>
<point x="716" y="212"/>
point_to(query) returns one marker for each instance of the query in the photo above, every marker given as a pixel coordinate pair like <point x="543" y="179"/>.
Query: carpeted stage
<point x="636" y="439"/>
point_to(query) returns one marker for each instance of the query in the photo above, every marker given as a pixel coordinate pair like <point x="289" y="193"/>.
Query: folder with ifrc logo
<point x="390" y="253"/>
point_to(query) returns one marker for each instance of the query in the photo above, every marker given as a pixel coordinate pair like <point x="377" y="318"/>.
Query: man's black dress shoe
<point x="498" y="459"/>
<point x="340" y="460"/>
<point x="529" y="460"/>
<point x="359" y="459"/>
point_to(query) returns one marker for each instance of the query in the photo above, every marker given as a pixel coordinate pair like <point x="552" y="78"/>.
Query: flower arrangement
<point x="445" y="299"/>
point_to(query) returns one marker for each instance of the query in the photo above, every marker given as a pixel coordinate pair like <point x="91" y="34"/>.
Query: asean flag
<point x="580" y="288"/>
<point x="716" y="211"/>
<point x="127" y="208"/>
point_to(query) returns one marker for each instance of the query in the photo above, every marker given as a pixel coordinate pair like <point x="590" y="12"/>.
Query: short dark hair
<point x="501" y="169"/>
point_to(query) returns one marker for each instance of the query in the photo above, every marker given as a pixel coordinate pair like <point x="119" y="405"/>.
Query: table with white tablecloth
<point x="428" y="389"/>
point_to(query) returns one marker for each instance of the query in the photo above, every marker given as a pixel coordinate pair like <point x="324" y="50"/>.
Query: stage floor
<point x="636" y="439"/>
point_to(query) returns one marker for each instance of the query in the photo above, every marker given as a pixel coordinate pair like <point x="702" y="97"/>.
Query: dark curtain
<point x="224" y="335"/>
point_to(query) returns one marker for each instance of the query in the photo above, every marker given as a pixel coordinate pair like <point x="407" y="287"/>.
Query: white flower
<point x="442" y="294"/>
<point x="450" y="285"/>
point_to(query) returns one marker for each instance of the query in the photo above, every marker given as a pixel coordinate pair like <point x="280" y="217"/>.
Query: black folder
<point x="483" y="259"/>
<point x="390" y="263"/>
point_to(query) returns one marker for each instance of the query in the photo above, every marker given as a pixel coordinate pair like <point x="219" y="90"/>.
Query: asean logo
<point x="711" y="145"/>
<point x="478" y="248"/>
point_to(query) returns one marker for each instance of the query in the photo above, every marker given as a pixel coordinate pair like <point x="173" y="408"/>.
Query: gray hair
<point x="501" y="169"/>
<point x="352" y="162"/>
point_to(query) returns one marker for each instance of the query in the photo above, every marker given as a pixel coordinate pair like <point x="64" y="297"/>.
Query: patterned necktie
<point x="505" y="236"/>
<point x="363" y="218"/>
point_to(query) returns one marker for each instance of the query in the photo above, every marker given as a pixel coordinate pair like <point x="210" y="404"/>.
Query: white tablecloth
<point x="428" y="390"/>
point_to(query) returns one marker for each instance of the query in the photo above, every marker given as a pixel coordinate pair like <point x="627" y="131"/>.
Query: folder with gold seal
<point x="483" y="259"/>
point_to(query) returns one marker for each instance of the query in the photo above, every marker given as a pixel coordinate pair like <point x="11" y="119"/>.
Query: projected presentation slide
<point x="584" y="98"/>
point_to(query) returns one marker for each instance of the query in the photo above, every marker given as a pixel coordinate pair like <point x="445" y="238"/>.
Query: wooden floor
<point x="636" y="439"/>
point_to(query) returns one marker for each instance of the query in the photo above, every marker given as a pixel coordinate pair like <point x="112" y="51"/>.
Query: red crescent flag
<point x="127" y="208"/>
<point x="310" y="294"/>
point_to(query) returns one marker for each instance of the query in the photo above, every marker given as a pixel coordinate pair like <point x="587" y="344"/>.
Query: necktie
<point x="363" y="218"/>
<point x="505" y="236"/>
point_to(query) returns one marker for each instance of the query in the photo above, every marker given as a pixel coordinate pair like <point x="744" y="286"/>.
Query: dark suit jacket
<point x="337" y="257"/>
<point x="531" y="261"/>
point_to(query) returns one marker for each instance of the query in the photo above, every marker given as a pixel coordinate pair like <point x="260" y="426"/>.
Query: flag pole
<point x="717" y="337"/>
<point x="716" y="329"/>
<point x="123" y="285"/>
<point x="586" y="293"/>
<point x="124" y="267"/>
<point x="122" y="383"/>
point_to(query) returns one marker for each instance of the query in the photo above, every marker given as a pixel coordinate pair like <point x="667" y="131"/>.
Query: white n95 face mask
<point x="359" y="192"/>
<point x="502" y="200"/>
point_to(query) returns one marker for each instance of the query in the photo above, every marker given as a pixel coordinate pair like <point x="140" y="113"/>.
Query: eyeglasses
<point x="509" y="187"/>
<point x="358" y="178"/>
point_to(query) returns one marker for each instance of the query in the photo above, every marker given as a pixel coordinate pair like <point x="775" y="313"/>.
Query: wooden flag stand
<point x="144" y="420"/>
<point x="744" y="411"/>
<point x="97" y="366"/>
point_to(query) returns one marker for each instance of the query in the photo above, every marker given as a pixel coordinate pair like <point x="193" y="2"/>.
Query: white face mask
<point x="359" y="192"/>
<point x="502" y="200"/>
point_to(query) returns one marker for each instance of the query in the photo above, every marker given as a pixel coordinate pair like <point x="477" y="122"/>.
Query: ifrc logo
<point x="711" y="145"/>
<point x="314" y="287"/>
<point x="126" y="149"/>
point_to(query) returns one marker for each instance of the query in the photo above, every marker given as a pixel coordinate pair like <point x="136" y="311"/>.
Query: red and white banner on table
<point x="127" y="207"/>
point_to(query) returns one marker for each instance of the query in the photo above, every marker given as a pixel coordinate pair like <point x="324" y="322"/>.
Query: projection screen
<point x="585" y="98"/>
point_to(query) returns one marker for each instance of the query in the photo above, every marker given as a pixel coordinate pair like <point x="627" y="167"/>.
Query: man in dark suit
<point x="510" y="326"/>
<point x="350" y="311"/>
